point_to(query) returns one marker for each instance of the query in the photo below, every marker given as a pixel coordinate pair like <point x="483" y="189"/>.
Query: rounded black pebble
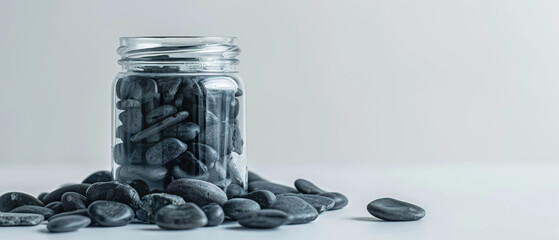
<point x="340" y="199"/>
<point x="46" y="212"/>
<point x="151" y="203"/>
<point x="197" y="191"/>
<point x="56" y="195"/>
<point x="320" y="203"/>
<point x="270" y="186"/>
<point x="298" y="210"/>
<point x="79" y="212"/>
<point x="141" y="187"/>
<point x="20" y="219"/>
<point x="238" y="207"/>
<point x="234" y="190"/>
<point x="163" y="152"/>
<point x="264" y="198"/>
<point x="305" y="186"/>
<point x="181" y="217"/>
<point x="55" y="206"/>
<point x="395" y="210"/>
<point x="110" y="214"/>
<point x="42" y="195"/>
<point x="68" y="223"/>
<point x="11" y="200"/>
<point x="214" y="213"/>
<point x="99" y="176"/>
<point x="113" y="191"/>
<point x="73" y="201"/>
<point x="264" y="219"/>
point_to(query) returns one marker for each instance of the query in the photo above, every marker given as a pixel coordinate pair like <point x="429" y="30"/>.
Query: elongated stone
<point x="79" y="212"/>
<point x="160" y="113"/>
<point x="238" y="207"/>
<point x="170" y="121"/>
<point x="110" y="214"/>
<point x="185" y="131"/>
<point x="236" y="139"/>
<point x="236" y="172"/>
<point x="165" y="151"/>
<point x="197" y="191"/>
<point x="113" y="191"/>
<point x="46" y="212"/>
<point x="298" y="210"/>
<point x="73" y="201"/>
<point x="340" y="199"/>
<point x="127" y="104"/>
<point x="41" y="196"/>
<point x="272" y="187"/>
<point x="151" y="203"/>
<point x="264" y="198"/>
<point x="264" y="219"/>
<point x="181" y="217"/>
<point x="214" y="214"/>
<point x="99" y="176"/>
<point x="234" y="190"/>
<point x="11" y="200"/>
<point x="20" y="219"/>
<point x="68" y="223"/>
<point x="395" y="210"/>
<point x="320" y="203"/>
<point x="55" y="206"/>
<point x="305" y="186"/>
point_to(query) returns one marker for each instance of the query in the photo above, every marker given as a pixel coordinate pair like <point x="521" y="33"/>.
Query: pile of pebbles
<point x="172" y="127"/>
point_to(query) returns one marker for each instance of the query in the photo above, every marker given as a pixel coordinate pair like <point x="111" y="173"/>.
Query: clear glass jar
<point x="179" y="112"/>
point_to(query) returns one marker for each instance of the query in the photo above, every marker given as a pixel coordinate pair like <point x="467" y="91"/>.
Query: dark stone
<point x="154" y="176"/>
<point x="272" y="187"/>
<point x="180" y="217"/>
<point x="185" y="131"/>
<point x="79" y="212"/>
<point x="395" y="210"/>
<point x="68" y="223"/>
<point x="56" y="195"/>
<point x="219" y="138"/>
<point x="305" y="186"/>
<point x="264" y="198"/>
<point x="160" y="113"/>
<point x="99" y="176"/>
<point x="73" y="201"/>
<point x="132" y="120"/>
<point x="113" y="191"/>
<point x="237" y="207"/>
<point x="239" y="92"/>
<point x="46" y="212"/>
<point x="110" y="214"/>
<point x="153" y="202"/>
<point x="170" y="121"/>
<point x="165" y="151"/>
<point x="236" y="172"/>
<point x="205" y="153"/>
<point x="128" y="153"/>
<point x="234" y="190"/>
<point x="253" y="177"/>
<point x="197" y="191"/>
<point x="236" y="139"/>
<point x="298" y="210"/>
<point x="168" y="88"/>
<point x="141" y="89"/>
<point x="340" y="199"/>
<point x="214" y="214"/>
<point x="235" y="108"/>
<point x="190" y="167"/>
<point x="264" y="219"/>
<point x="20" y="219"/>
<point x="141" y="187"/>
<point x="127" y="104"/>
<point x="320" y="203"/>
<point x="41" y="196"/>
<point x="218" y="176"/>
<point x="11" y="200"/>
<point x="55" y="206"/>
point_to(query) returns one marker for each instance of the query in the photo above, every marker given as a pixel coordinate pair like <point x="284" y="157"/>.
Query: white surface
<point x="462" y="202"/>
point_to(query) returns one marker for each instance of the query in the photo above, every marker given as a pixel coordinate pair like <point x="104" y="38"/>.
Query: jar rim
<point x="143" y="42"/>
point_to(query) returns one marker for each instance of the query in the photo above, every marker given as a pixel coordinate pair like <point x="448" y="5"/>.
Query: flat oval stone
<point x="55" y="206"/>
<point x="73" y="201"/>
<point x="214" y="214"/>
<point x="132" y="120"/>
<point x="395" y="210"/>
<point x="127" y="104"/>
<point x="110" y="214"/>
<point x="264" y="198"/>
<point x="42" y="195"/>
<point x="113" y="191"/>
<point x="340" y="199"/>
<point x="56" y="195"/>
<point x="190" y="167"/>
<point x="320" y="203"/>
<point x="197" y="191"/>
<point x="205" y="153"/>
<point x="185" y="131"/>
<point x="99" y="176"/>
<point x="156" y="128"/>
<point x="79" y="212"/>
<point x="141" y="187"/>
<point x="151" y="203"/>
<point x="234" y="190"/>
<point x="46" y="212"/>
<point x="160" y="113"/>
<point x="180" y="217"/>
<point x="253" y="177"/>
<point x="305" y="186"/>
<point x="238" y="207"/>
<point x="11" y="200"/>
<point x="165" y="151"/>
<point x="272" y="187"/>
<point x="68" y="223"/>
<point x="264" y="219"/>
<point x="147" y="173"/>
<point x="298" y="210"/>
<point x="20" y="219"/>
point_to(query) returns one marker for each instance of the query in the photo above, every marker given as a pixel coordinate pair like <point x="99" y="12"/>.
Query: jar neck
<point x="179" y="54"/>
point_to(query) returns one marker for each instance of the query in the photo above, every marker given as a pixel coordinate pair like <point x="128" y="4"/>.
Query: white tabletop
<point x="499" y="201"/>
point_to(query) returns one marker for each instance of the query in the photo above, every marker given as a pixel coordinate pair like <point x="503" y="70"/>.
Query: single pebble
<point x="238" y="207"/>
<point x="56" y="195"/>
<point x="165" y="151"/>
<point x="127" y="104"/>
<point x="390" y="209"/>
<point x="73" y="201"/>
<point x="46" y="212"/>
<point x="298" y="210"/>
<point x="272" y="187"/>
<point x="181" y="217"/>
<point x="264" y="198"/>
<point x="185" y="131"/>
<point x="160" y="113"/>
<point x="305" y="186"/>
<point x="42" y="195"/>
<point x="147" y="173"/>
<point x="234" y="190"/>
<point x="205" y="153"/>
<point x="168" y="88"/>
<point x="141" y="187"/>
<point x="141" y="89"/>
<point x="235" y="107"/>
<point x="340" y="199"/>
<point x="236" y="139"/>
<point x="320" y="203"/>
<point x="99" y="176"/>
<point x="110" y="214"/>
<point x="113" y="191"/>
<point x="132" y="120"/>
<point x="79" y="212"/>
<point x="11" y="200"/>
<point x="20" y="219"/>
<point x="264" y="219"/>
<point x="165" y="123"/>
<point x="68" y="223"/>
<point x="151" y="203"/>
<point x="55" y="206"/>
<point x="190" y="167"/>
<point x="197" y="191"/>
<point x="214" y="214"/>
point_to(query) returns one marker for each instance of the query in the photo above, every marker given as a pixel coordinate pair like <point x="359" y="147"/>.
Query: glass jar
<point x="178" y="112"/>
